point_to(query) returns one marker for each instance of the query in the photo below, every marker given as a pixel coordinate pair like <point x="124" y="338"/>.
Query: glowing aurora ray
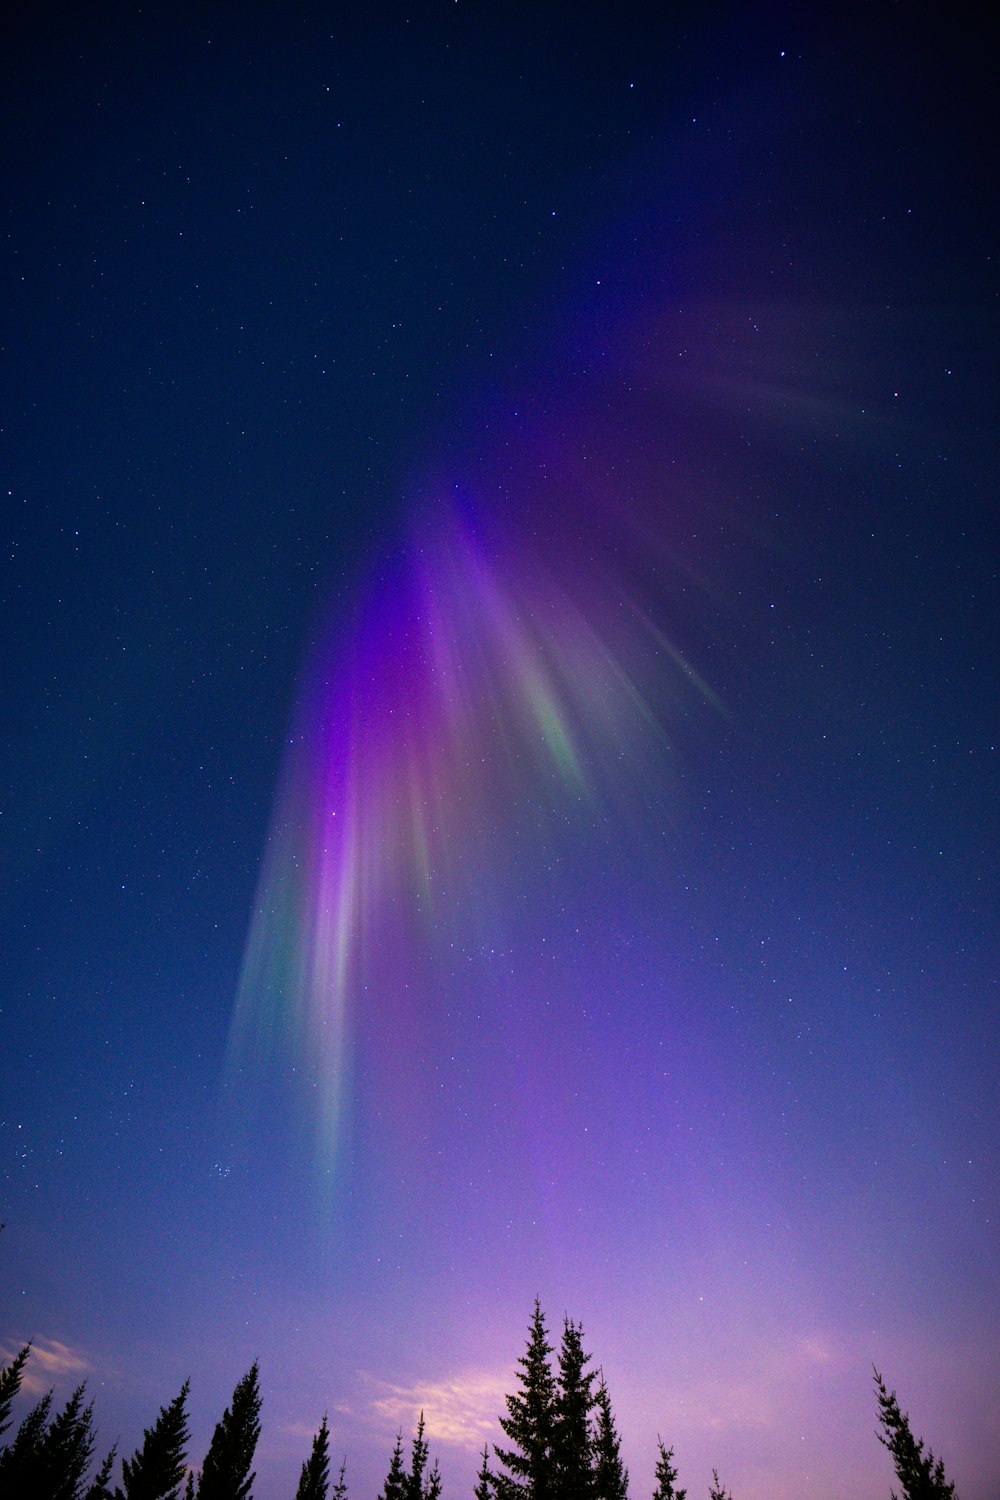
<point x="477" y="687"/>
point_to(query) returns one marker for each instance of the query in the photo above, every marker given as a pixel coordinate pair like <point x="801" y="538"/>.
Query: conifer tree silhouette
<point x="572" y="1455"/>
<point x="100" y="1486"/>
<point x="10" y="1383"/>
<point x="665" y="1475"/>
<point x="50" y="1456"/>
<point x="226" y="1472"/>
<point x="339" y="1491"/>
<point x="529" y="1423"/>
<point x="395" y="1481"/>
<point x="418" y="1463"/>
<point x="610" y="1474"/>
<point x="718" y="1491"/>
<point x="432" y="1489"/>
<point x="484" y="1479"/>
<point x="315" y="1476"/>
<point x="922" y="1478"/>
<point x="156" y="1470"/>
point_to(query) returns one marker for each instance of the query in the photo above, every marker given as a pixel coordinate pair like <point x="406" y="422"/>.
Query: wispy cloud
<point x="460" y="1411"/>
<point x="48" y="1363"/>
<point x="750" y="1398"/>
<point x="306" y="1430"/>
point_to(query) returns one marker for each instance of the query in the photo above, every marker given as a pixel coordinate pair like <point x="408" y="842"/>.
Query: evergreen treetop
<point x="529" y="1423"/>
<point x="18" y="1459"/>
<point x="718" y="1491"/>
<point x="10" y="1383"/>
<point x="50" y="1456"/>
<point x="226" y="1473"/>
<point x="66" y="1450"/>
<point x="156" y="1470"/>
<point x="484" y="1479"/>
<point x="665" y="1475"/>
<point x="432" y="1490"/>
<point x="572" y="1457"/>
<point x="100" y="1485"/>
<point x="339" y="1491"/>
<point x="315" y="1476"/>
<point x="610" y="1474"/>
<point x="396" y="1479"/>
<point x="418" y="1463"/>
<point x="922" y="1478"/>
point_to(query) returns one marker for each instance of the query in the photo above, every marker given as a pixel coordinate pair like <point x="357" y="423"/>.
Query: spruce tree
<point x="718" y="1491"/>
<point x="432" y="1489"/>
<point x="10" y="1383"/>
<point x="418" y="1463"/>
<point x="156" y="1470"/>
<point x="66" y="1450"/>
<point x="49" y="1457"/>
<point x="226" y="1472"/>
<point x="20" y="1459"/>
<point x="396" y="1479"/>
<point x="665" y="1475"/>
<point x="484" y="1479"/>
<point x="572" y="1456"/>
<point x="100" y="1486"/>
<point x="529" y="1423"/>
<point x="610" y="1474"/>
<point x="922" y="1478"/>
<point x="315" y="1474"/>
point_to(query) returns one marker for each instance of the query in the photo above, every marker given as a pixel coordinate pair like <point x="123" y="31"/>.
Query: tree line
<point x="561" y="1442"/>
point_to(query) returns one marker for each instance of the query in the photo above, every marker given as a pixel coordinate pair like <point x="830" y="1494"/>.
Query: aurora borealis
<point x="500" y="790"/>
<point x="505" y="692"/>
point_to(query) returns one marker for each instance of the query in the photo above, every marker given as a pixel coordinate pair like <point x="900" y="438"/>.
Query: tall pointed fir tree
<point x="226" y="1472"/>
<point x="529" y="1423"/>
<point x="418" y="1463"/>
<point x="315" y="1476"/>
<point x="665" y="1475"/>
<point x="66" y="1450"/>
<point x="573" y="1458"/>
<point x="610" y="1474"/>
<point x="156" y="1470"/>
<point x="395" y="1481"/>
<point x="922" y="1478"/>
<point x="484" y="1479"/>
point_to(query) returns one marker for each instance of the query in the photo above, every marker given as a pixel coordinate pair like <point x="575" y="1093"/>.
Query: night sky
<point x="499" y="769"/>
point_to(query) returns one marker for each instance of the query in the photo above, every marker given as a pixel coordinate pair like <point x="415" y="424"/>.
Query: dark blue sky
<point x="689" y="1022"/>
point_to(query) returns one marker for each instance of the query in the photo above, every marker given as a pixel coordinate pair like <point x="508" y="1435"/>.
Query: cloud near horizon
<point x="460" y="1412"/>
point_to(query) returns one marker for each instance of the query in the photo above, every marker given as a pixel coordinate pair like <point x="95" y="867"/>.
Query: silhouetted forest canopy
<point x="560" y="1442"/>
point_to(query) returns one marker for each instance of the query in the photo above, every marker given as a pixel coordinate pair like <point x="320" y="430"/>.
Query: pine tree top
<point x="395" y="1481"/>
<point x="666" y="1474"/>
<point x="156" y="1470"/>
<point x="922" y="1477"/>
<point x="226" y="1474"/>
<point x="529" y="1421"/>
<point x="315" y="1476"/>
